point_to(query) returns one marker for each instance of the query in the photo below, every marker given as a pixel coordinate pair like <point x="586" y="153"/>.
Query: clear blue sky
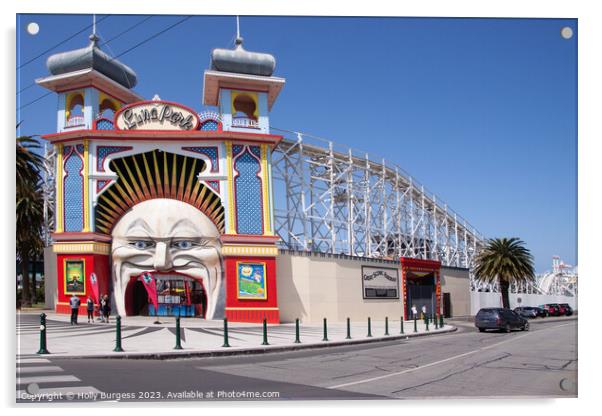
<point x="483" y="112"/>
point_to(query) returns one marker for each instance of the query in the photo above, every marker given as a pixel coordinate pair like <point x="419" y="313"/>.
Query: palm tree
<point x="29" y="210"/>
<point x="505" y="261"/>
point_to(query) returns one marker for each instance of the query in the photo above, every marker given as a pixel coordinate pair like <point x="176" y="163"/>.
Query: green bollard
<point x="401" y="326"/>
<point x="441" y="321"/>
<point x="436" y="321"/>
<point x="265" y="332"/>
<point x="297" y="335"/>
<point x="118" y="335"/>
<point x="178" y="340"/>
<point x="427" y="323"/>
<point x="325" y="332"/>
<point x="415" y="325"/>
<point x="369" y="328"/>
<point x="226" y="344"/>
<point x="386" y="325"/>
<point x="348" y="329"/>
<point x="43" y="349"/>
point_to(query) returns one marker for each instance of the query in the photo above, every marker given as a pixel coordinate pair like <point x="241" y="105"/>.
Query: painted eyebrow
<point x="140" y="223"/>
<point x="184" y="221"/>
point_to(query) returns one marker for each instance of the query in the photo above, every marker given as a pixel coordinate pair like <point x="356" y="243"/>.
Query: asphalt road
<point x="467" y="364"/>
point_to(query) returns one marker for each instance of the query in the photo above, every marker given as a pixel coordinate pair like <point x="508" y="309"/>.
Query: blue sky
<point x="483" y="112"/>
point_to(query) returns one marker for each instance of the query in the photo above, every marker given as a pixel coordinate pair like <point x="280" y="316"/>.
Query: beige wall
<point x="313" y="287"/>
<point x="455" y="281"/>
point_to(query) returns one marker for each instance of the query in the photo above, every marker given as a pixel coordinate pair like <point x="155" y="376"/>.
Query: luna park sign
<point x="156" y="115"/>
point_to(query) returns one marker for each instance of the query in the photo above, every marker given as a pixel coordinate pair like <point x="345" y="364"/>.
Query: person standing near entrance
<point x="414" y="312"/>
<point x="90" y="309"/>
<point x="423" y="311"/>
<point x="74" y="302"/>
<point x="105" y="308"/>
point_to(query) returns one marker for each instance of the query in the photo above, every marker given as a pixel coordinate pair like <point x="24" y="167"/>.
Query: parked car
<point x="526" y="311"/>
<point x="561" y="309"/>
<point x="541" y="312"/>
<point x="552" y="309"/>
<point x="500" y="318"/>
<point x="568" y="311"/>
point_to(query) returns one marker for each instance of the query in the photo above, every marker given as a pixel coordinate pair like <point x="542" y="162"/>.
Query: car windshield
<point x="487" y="312"/>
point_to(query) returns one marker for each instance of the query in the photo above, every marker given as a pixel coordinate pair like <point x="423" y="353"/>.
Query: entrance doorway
<point x="177" y="295"/>
<point x="420" y="291"/>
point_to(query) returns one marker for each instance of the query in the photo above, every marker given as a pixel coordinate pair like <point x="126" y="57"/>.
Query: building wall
<point x="316" y="286"/>
<point x="455" y="281"/>
<point x="494" y="300"/>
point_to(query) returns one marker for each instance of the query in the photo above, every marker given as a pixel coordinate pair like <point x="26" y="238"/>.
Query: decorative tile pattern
<point x="236" y="149"/>
<point x="214" y="185"/>
<point x="248" y="194"/>
<point x="209" y="125"/>
<point x="80" y="148"/>
<point x="103" y="151"/>
<point x="210" y="152"/>
<point x="74" y="189"/>
<point x="256" y="151"/>
<point x="100" y="185"/>
<point x="104" y="124"/>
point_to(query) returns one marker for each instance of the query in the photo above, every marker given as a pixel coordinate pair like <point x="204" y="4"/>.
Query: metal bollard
<point x="441" y="321"/>
<point x="178" y="339"/>
<point x="265" y="332"/>
<point x="348" y="329"/>
<point x="43" y="349"/>
<point x="369" y="328"/>
<point x="427" y="323"/>
<point x="386" y="325"/>
<point x="436" y="321"/>
<point x="415" y="325"/>
<point x="297" y="335"/>
<point x="325" y="331"/>
<point x="401" y="326"/>
<point x="226" y="344"/>
<point x="118" y="334"/>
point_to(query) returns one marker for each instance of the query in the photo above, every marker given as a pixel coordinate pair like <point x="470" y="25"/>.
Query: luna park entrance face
<point x="176" y="295"/>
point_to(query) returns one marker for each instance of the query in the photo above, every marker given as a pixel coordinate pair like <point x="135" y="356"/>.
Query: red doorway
<point x="420" y="285"/>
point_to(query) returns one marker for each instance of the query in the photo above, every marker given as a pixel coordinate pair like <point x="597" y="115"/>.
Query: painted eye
<point x="183" y="244"/>
<point x="142" y="244"/>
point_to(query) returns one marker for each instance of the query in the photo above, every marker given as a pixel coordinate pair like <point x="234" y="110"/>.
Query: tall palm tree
<point x="505" y="261"/>
<point x="29" y="210"/>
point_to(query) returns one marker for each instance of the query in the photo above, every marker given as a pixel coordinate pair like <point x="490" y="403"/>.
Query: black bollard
<point x="118" y="334"/>
<point x="43" y="349"/>
<point x="369" y="328"/>
<point x="415" y="325"/>
<point x="401" y="326"/>
<point x="325" y="331"/>
<point x="427" y="323"/>
<point x="441" y="321"/>
<point x="386" y="325"/>
<point x="226" y="344"/>
<point x="348" y="329"/>
<point x="178" y="340"/>
<point x="436" y="321"/>
<point x="297" y="334"/>
<point x="265" y="332"/>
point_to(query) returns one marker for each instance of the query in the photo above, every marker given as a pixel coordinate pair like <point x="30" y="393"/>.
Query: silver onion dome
<point x="91" y="57"/>
<point x="241" y="61"/>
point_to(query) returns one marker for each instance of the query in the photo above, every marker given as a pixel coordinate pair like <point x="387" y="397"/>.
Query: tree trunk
<point x="25" y="292"/>
<point x="504" y="287"/>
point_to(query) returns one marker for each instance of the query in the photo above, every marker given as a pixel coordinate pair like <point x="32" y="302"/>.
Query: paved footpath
<point x="141" y="338"/>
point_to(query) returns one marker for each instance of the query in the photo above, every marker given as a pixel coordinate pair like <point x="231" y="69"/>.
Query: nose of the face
<point x="162" y="258"/>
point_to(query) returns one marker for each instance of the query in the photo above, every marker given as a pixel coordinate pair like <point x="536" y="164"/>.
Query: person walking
<point x="74" y="302"/>
<point x="423" y="311"/>
<point x="414" y="312"/>
<point x="105" y="308"/>
<point x="90" y="308"/>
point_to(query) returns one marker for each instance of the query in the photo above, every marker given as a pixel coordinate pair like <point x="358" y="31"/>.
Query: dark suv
<point x="568" y="311"/>
<point x="499" y="318"/>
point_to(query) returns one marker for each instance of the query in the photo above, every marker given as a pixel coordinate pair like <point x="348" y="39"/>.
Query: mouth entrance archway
<point x="177" y="294"/>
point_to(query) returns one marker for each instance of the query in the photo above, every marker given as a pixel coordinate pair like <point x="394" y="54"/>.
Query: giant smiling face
<point x="166" y="235"/>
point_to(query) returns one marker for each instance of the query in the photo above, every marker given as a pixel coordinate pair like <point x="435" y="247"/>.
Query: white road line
<point x="32" y="360"/>
<point x="39" y="369"/>
<point x="24" y="395"/>
<point x="368" y="380"/>
<point x="46" y="379"/>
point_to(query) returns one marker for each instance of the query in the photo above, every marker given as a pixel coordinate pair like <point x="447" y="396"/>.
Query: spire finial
<point x="93" y="36"/>
<point x="238" y="41"/>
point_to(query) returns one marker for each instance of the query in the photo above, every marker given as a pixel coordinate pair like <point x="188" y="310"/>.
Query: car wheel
<point x="507" y="328"/>
<point x="481" y="329"/>
<point x="526" y="326"/>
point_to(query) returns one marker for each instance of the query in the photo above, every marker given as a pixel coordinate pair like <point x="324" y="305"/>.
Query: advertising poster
<point x="74" y="277"/>
<point x="380" y="283"/>
<point x="251" y="280"/>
